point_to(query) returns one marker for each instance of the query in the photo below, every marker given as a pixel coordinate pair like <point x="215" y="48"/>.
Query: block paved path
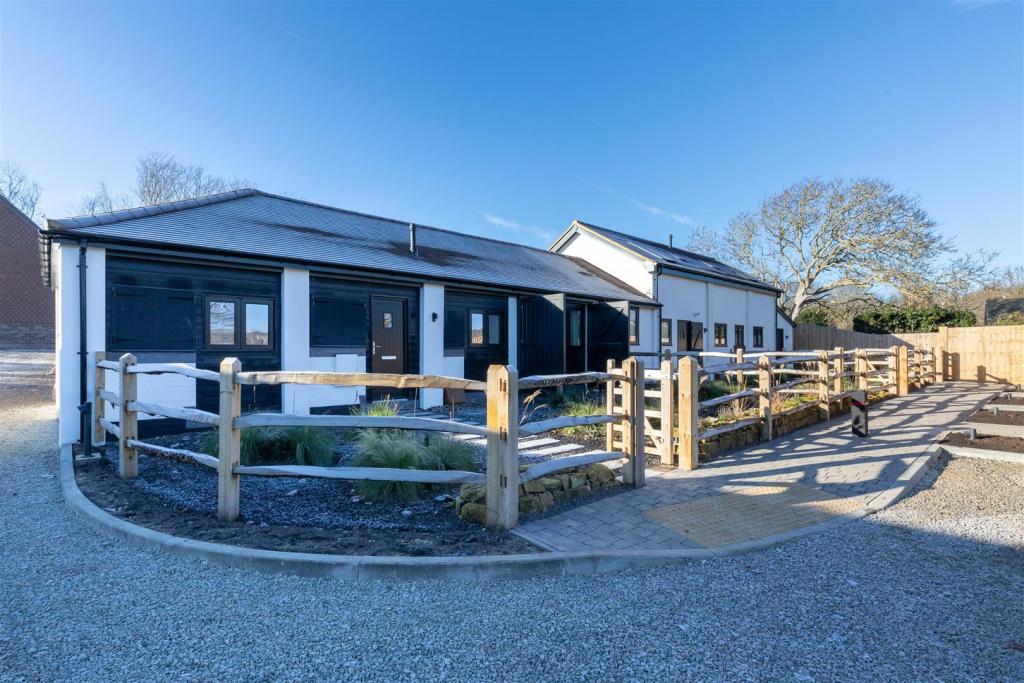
<point x="806" y="477"/>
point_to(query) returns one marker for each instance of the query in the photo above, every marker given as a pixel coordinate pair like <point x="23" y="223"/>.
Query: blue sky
<point x="512" y="119"/>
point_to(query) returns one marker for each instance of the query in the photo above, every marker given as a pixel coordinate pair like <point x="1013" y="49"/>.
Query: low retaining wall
<point x="540" y="494"/>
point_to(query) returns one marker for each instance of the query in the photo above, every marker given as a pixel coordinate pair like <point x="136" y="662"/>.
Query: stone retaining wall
<point x="540" y="494"/>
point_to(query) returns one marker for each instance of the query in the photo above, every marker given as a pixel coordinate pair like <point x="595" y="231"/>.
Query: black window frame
<point x="724" y="339"/>
<point x="486" y="315"/>
<point x="739" y="336"/>
<point x="666" y="337"/>
<point x="483" y="328"/>
<point x="634" y="325"/>
<point x="758" y="337"/>
<point x="239" y="302"/>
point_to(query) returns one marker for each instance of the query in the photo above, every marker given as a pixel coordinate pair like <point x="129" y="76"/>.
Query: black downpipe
<point x="84" y="405"/>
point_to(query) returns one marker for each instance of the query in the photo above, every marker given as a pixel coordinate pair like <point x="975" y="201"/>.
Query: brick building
<point x="26" y="304"/>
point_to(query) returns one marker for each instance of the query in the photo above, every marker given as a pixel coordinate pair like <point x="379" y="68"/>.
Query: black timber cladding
<point x="256" y="224"/>
<point x="459" y="308"/>
<point x="339" y="317"/>
<point x="157" y="310"/>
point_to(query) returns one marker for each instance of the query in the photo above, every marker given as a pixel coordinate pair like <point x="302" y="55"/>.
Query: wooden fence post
<point x="764" y="399"/>
<point x="838" y="368"/>
<point x="99" y="406"/>
<point x="902" y="371"/>
<point x="918" y="367"/>
<point x="230" y="445"/>
<point x="824" y="411"/>
<point x="667" y="413"/>
<point x="128" y="457"/>
<point x="741" y="379"/>
<point x="860" y="366"/>
<point x="502" y="447"/>
<point x="689" y="385"/>
<point x="633" y="405"/>
<point x="609" y="405"/>
<point x="894" y="372"/>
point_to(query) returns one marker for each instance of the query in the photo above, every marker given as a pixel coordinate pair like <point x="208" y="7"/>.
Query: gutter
<point x="84" y="406"/>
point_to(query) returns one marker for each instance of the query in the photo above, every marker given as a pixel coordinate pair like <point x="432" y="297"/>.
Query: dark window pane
<point x="666" y="332"/>
<point x="222" y="323"/>
<point x="575" y="327"/>
<point x="739" y="336"/>
<point x="493" y="328"/>
<point x="336" y="322"/>
<point x="454" y="328"/>
<point x="758" y="337"/>
<point x="634" y="325"/>
<point x="476" y="328"/>
<point x="257" y="325"/>
<point x="721" y="334"/>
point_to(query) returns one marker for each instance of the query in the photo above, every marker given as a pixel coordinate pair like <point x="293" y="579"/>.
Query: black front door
<point x="780" y="340"/>
<point x="689" y="335"/>
<point x="387" y="341"/>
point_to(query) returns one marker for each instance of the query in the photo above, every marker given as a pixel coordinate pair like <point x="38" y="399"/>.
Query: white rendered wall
<point x="761" y="313"/>
<point x="295" y="352"/>
<point x="634" y="271"/>
<point x="648" y="329"/>
<point x="65" y="273"/>
<point x="431" y="340"/>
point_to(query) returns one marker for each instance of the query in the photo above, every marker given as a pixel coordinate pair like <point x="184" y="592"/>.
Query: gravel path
<point x="928" y="590"/>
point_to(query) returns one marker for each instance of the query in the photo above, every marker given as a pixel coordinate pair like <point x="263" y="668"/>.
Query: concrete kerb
<point x="486" y="568"/>
<point x="984" y="454"/>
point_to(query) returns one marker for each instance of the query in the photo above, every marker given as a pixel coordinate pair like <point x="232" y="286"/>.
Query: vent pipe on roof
<point x="412" y="239"/>
<point x="670" y="240"/>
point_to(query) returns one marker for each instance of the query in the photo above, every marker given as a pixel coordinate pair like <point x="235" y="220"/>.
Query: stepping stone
<point x="563" y="448"/>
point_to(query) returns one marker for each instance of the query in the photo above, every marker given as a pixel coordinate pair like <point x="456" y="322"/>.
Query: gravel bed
<point x="927" y="590"/>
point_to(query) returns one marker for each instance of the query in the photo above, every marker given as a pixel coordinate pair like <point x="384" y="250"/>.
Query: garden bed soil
<point x="1013" y="418"/>
<point x="295" y="515"/>
<point x="991" y="443"/>
<point x="1006" y="402"/>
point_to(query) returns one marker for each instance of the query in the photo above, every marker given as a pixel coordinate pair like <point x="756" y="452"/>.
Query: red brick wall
<point x="26" y="306"/>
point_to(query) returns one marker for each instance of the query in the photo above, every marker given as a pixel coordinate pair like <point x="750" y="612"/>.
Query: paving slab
<point x="800" y="480"/>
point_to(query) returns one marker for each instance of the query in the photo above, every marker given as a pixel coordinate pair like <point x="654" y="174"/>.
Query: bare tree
<point x="818" y="239"/>
<point x="18" y="189"/>
<point x="160" y="178"/>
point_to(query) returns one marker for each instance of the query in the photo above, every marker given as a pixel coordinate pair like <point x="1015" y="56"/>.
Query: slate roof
<point x="679" y="259"/>
<point x="258" y="224"/>
<point x="997" y="307"/>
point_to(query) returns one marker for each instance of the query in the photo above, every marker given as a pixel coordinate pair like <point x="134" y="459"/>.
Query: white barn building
<point x="706" y="305"/>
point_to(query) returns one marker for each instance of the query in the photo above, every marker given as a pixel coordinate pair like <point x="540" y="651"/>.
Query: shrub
<point x="1011" y="318"/>
<point x="310" y="445"/>
<point x="891" y="319"/>
<point x="582" y="407"/>
<point x="815" y="315"/>
<point x="383" y="408"/>
<point x="400" y="452"/>
<point x="716" y="388"/>
<point x="444" y="453"/>
<point x="267" y="445"/>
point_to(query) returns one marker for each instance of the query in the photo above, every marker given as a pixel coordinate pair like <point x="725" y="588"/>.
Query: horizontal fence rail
<point x="655" y="411"/>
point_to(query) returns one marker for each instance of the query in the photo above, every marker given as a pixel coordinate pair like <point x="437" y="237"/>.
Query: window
<point x="221" y="323"/>
<point x="257" y="324"/>
<point x="666" y="332"/>
<point x="238" y="323"/>
<point x="634" y="325"/>
<point x="739" y="336"/>
<point x="575" y="327"/>
<point x="337" y="322"/>
<point x="758" y="337"/>
<point x="721" y="332"/>
<point x="493" y="328"/>
<point x="476" y="329"/>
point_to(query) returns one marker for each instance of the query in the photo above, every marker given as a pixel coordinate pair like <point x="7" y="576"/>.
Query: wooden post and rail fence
<point x="670" y="429"/>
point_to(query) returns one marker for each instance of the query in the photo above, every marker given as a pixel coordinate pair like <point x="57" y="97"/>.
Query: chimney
<point x="670" y="240"/>
<point x="412" y="239"/>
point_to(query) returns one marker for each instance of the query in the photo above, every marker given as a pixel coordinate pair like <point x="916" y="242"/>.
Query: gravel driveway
<point x="928" y="590"/>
